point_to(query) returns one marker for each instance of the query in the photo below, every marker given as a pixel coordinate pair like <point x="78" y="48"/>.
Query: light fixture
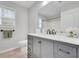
<point x="45" y="3"/>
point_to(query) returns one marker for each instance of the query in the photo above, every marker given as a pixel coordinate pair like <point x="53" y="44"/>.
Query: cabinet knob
<point x="67" y="52"/>
<point x="39" y="42"/>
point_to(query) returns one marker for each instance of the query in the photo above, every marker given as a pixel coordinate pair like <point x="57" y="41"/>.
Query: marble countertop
<point x="60" y="38"/>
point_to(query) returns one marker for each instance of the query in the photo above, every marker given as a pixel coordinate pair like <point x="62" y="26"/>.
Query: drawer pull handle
<point x="64" y="51"/>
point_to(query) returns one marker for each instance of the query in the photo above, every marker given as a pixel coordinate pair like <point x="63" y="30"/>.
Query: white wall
<point x="70" y="18"/>
<point x="52" y="24"/>
<point x="21" y="27"/>
<point x="33" y="18"/>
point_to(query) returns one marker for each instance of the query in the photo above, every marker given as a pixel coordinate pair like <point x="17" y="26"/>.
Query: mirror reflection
<point x="56" y="17"/>
<point x="49" y="17"/>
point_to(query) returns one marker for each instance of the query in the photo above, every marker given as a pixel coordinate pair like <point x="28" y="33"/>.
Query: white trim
<point x="7" y="50"/>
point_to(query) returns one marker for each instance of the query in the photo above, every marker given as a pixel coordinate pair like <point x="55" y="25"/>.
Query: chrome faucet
<point x="51" y="31"/>
<point x="48" y="31"/>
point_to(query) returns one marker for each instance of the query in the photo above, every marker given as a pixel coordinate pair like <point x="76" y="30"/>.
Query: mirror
<point x="57" y="16"/>
<point x="49" y="17"/>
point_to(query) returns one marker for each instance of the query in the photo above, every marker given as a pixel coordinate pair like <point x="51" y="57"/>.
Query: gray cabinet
<point x="42" y="48"/>
<point x="64" y="51"/>
<point x="36" y="47"/>
<point x="47" y="48"/>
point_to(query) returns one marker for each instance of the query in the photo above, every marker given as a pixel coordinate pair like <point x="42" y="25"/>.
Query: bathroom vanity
<point x="52" y="46"/>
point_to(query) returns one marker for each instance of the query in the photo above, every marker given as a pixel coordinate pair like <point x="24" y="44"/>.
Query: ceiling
<point x="66" y="5"/>
<point x="27" y="4"/>
<point x="54" y="8"/>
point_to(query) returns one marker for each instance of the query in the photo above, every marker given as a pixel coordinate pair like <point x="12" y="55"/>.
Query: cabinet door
<point x="36" y="47"/>
<point x="64" y="51"/>
<point x="78" y="52"/>
<point x="47" y="48"/>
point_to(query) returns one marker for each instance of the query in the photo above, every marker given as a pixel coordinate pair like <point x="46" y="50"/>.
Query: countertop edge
<point x="74" y="41"/>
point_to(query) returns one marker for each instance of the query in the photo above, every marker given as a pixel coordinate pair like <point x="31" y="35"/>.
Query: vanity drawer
<point x="64" y="51"/>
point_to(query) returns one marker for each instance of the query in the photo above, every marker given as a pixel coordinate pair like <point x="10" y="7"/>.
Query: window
<point x="7" y="16"/>
<point x="39" y="25"/>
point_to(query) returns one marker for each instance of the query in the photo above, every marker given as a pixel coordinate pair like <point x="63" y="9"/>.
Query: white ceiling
<point x="24" y="3"/>
<point x="54" y="8"/>
<point x="50" y="10"/>
<point x="66" y="5"/>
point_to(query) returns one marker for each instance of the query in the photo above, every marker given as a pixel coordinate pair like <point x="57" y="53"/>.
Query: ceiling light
<point x="45" y="3"/>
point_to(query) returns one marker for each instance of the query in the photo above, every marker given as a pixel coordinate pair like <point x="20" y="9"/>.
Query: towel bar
<point x="5" y="30"/>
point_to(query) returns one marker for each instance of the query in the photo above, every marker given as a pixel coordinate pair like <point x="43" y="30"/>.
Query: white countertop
<point x="60" y="38"/>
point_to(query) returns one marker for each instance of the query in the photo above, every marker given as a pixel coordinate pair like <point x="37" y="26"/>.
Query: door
<point x="36" y="47"/>
<point x="46" y="48"/>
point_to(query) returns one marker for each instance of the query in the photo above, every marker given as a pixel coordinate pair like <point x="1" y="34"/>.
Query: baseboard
<point x="7" y="50"/>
